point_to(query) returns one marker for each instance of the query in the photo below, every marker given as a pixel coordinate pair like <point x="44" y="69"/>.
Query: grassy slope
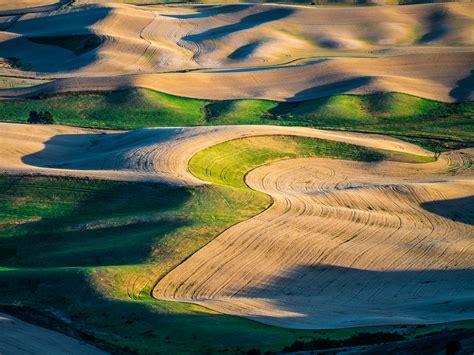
<point x="388" y="113"/>
<point x="92" y="250"/>
<point x="66" y="244"/>
<point x="124" y="109"/>
<point x="10" y="82"/>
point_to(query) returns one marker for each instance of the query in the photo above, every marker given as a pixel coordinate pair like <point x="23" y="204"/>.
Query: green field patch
<point x="90" y="252"/>
<point x="123" y="109"/>
<point x="433" y="124"/>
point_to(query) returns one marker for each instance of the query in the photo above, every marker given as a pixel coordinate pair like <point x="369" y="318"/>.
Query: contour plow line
<point x="344" y="244"/>
<point x="338" y="217"/>
<point x="144" y="155"/>
<point x="244" y="50"/>
<point x="153" y="154"/>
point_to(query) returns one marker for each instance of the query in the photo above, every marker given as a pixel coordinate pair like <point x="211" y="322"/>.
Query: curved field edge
<point x="84" y="274"/>
<point x="432" y="124"/>
<point x="227" y="163"/>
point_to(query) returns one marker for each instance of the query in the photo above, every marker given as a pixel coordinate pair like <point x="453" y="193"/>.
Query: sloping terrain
<point x="82" y="235"/>
<point x="444" y="77"/>
<point x="24" y="6"/>
<point x="295" y="53"/>
<point x="160" y="154"/>
<point x="343" y="245"/>
<point x="392" y="242"/>
<point x="40" y="341"/>
<point x="431" y="123"/>
<point x="152" y="240"/>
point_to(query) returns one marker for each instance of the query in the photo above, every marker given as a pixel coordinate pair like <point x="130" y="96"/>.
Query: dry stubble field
<point x="333" y="244"/>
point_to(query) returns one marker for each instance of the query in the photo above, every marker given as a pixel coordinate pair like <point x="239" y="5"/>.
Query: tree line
<point x="41" y="117"/>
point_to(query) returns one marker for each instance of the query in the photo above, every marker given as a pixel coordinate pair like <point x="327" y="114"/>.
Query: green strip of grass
<point x="431" y="123"/>
<point x="123" y="109"/>
<point x="91" y="251"/>
<point x="227" y="163"/>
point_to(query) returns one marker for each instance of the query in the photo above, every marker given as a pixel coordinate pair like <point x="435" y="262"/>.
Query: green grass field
<point x="389" y="113"/>
<point x="90" y="251"/>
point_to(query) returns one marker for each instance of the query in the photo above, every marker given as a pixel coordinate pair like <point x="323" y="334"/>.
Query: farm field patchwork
<point x="387" y="113"/>
<point x="237" y="178"/>
<point x="52" y="232"/>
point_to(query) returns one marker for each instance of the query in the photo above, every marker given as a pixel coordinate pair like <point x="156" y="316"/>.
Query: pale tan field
<point x="7" y="5"/>
<point x="344" y="244"/>
<point x="18" y="337"/>
<point x="154" y="154"/>
<point x="429" y="76"/>
<point x="294" y="52"/>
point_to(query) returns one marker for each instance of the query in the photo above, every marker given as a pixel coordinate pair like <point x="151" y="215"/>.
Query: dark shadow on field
<point x="81" y="311"/>
<point x="337" y="296"/>
<point x="245" y="23"/>
<point x="245" y="51"/>
<point x="458" y="210"/>
<point x="29" y="10"/>
<point x="437" y="26"/>
<point x="93" y="317"/>
<point x="52" y="51"/>
<point x="464" y="88"/>
<point x="102" y="321"/>
<point x="95" y="223"/>
<point x="96" y="151"/>
<point x="77" y="43"/>
<point x="323" y="92"/>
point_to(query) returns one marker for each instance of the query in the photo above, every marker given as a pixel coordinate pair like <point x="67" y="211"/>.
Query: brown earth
<point x="242" y="51"/>
<point x="344" y="244"/>
<point x="18" y="337"/>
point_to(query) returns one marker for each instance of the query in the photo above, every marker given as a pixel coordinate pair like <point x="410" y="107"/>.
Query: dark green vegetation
<point x="90" y="252"/>
<point x="430" y="123"/>
<point x="42" y="117"/>
<point x="124" y="109"/>
<point x="355" y="340"/>
<point x="79" y="44"/>
<point x="15" y="63"/>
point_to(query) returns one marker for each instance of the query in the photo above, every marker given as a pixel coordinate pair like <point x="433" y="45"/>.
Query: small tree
<point x="33" y="118"/>
<point x="47" y="117"/>
<point x="453" y="347"/>
<point x="42" y="117"/>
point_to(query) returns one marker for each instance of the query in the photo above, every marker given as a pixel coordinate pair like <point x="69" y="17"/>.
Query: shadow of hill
<point x="464" y="88"/>
<point x="89" y="223"/>
<point x="437" y="26"/>
<point x="245" y="23"/>
<point x="458" y="210"/>
<point x="326" y="90"/>
<point x="59" y="42"/>
<point x="244" y="51"/>
<point x="95" y="151"/>
<point x="125" y="326"/>
<point x="77" y="43"/>
<point x="328" y="296"/>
